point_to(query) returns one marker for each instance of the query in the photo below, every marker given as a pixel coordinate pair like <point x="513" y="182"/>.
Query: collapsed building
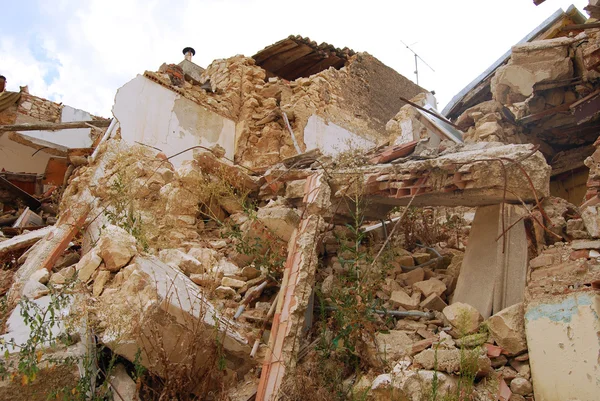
<point x="303" y="223"/>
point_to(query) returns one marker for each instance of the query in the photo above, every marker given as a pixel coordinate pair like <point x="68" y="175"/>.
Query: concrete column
<point x="493" y="273"/>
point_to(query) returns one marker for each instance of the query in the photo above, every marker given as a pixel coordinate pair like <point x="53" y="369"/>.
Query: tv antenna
<point x="417" y="58"/>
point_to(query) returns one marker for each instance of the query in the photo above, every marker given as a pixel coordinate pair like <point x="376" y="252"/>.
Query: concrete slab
<point x="493" y="278"/>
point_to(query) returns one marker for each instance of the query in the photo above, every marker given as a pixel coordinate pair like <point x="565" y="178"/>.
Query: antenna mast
<point x="417" y="57"/>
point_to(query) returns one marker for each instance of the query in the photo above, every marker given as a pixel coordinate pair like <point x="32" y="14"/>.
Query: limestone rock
<point x="122" y="386"/>
<point x="508" y="329"/>
<point x="449" y="360"/>
<point x="429" y="287"/>
<point x="463" y="317"/>
<point x="393" y="345"/>
<point x="182" y="261"/>
<point x="250" y="272"/>
<point x="521" y="386"/>
<point x="421" y="257"/>
<point x="203" y="279"/>
<point x="591" y="219"/>
<point x="88" y="265"/>
<point x="401" y="298"/>
<point x="327" y="285"/>
<point x="418" y="385"/>
<point x="433" y="302"/>
<point x="41" y="276"/>
<point x="225" y="267"/>
<point x="206" y="256"/>
<point x="116" y="247"/>
<point x="412" y="277"/>
<point x="279" y="219"/>
<point x="63" y="276"/>
<point x="100" y="281"/>
<point x="225" y="292"/>
<point x="231" y="282"/>
<point x="34" y="290"/>
<point x="68" y="259"/>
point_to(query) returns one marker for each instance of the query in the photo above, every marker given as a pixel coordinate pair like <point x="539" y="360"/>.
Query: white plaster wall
<point x="154" y="115"/>
<point x="68" y="138"/>
<point x="17" y="158"/>
<point x="331" y="139"/>
<point x="563" y="337"/>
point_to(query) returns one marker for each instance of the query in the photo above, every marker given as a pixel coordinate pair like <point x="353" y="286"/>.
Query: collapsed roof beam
<point x="55" y="126"/>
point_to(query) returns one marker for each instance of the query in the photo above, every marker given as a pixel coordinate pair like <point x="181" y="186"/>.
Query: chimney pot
<point x="188" y="53"/>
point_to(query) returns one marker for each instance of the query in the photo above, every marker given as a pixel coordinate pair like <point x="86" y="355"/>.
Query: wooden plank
<point x="55" y="171"/>
<point x="28" y="218"/>
<point x="580" y="27"/>
<point x="538" y="116"/>
<point x="275" y="48"/>
<point x="280" y="60"/>
<point x="19" y="193"/>
<point x="54" y="126"/>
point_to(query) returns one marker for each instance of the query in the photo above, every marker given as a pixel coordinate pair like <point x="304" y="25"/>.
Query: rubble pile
<point x="221" y="240"/>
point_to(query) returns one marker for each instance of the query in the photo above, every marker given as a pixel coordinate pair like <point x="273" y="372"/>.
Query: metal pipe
<point x="394" y="313"/>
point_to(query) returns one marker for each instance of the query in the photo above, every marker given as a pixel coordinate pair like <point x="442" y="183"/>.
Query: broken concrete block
<point x="279" y="219"/>
<point x="156" y="298"/>
<point x="206" y="256"/>
<point x="591" y="219"/>
<point x="41" y="276"/>
<point x="34" y="289"/>
<point x="521" y="386"/>
<point x="88" y="265"/>
<point x="250" y="272"/>
<point x="231" y="282"/>
<point x="429" y="287"/>
<point x="508" y="329"/>
<point x="393" y="345"/>
<point x="184" y="262"/>
<point x="225" y="292"/>
<point x="100" y="281"/>
<point x="122" y="386"/>
<point x="63" y="276"/>
<point x="421" y="257"/>
<point x="401" y="298"/>
<point x="412" y="277"/>
<point x="433" y="302"/>
<point x="203" y="280"/>
<point x="463" y="317"/>
<point x="116" y="247"/>
<point x="224" y="267"/>
<point x="449" y="360"/>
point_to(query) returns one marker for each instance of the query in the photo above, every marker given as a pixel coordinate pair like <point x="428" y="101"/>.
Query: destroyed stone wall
<point x="38" y="109"/>
<point x="358" y="97"/>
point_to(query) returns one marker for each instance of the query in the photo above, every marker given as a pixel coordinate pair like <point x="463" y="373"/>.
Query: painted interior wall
<point x="332" y="139"/>
<point x="68" y="138"/>
<point x="18" y="158"/>
<point x="156" y="116"/>
<point x="563" y="336"/>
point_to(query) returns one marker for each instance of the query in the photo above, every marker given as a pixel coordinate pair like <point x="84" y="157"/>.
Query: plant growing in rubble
<point x="42" y="322"/>
<point x="121" y="212"/>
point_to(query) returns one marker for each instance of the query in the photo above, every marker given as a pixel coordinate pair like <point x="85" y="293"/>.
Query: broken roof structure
<point x="303" y="224"/>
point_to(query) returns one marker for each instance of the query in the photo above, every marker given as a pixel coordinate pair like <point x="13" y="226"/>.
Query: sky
<point x="80" y="52"/>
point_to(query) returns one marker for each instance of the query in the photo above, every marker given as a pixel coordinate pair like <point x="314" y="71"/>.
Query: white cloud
<point x="101" y="44"/>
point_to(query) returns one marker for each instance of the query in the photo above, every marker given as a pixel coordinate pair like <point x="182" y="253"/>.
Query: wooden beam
<point x="538" y="2"/>
<point x="579" y="27"/>
<point x="538" y="116"/>
<point x="55" y="126"/>
<point x="24" y="240"/>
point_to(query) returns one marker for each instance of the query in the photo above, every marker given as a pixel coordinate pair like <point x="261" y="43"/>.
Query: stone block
<point x="541" y="261"/>
<point x="433" y="302"/>
<point x="463" y="317"/>
<point x="429" y="287"/>
<point x="88" y="265"/>
<point x="116" y="247"/>
<point x="401" y="298"/>
<point x="279" y="219"/>
<point x="182" y="261"/>
<point x="412" y="277"/>
<point x="393" y="345"/>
